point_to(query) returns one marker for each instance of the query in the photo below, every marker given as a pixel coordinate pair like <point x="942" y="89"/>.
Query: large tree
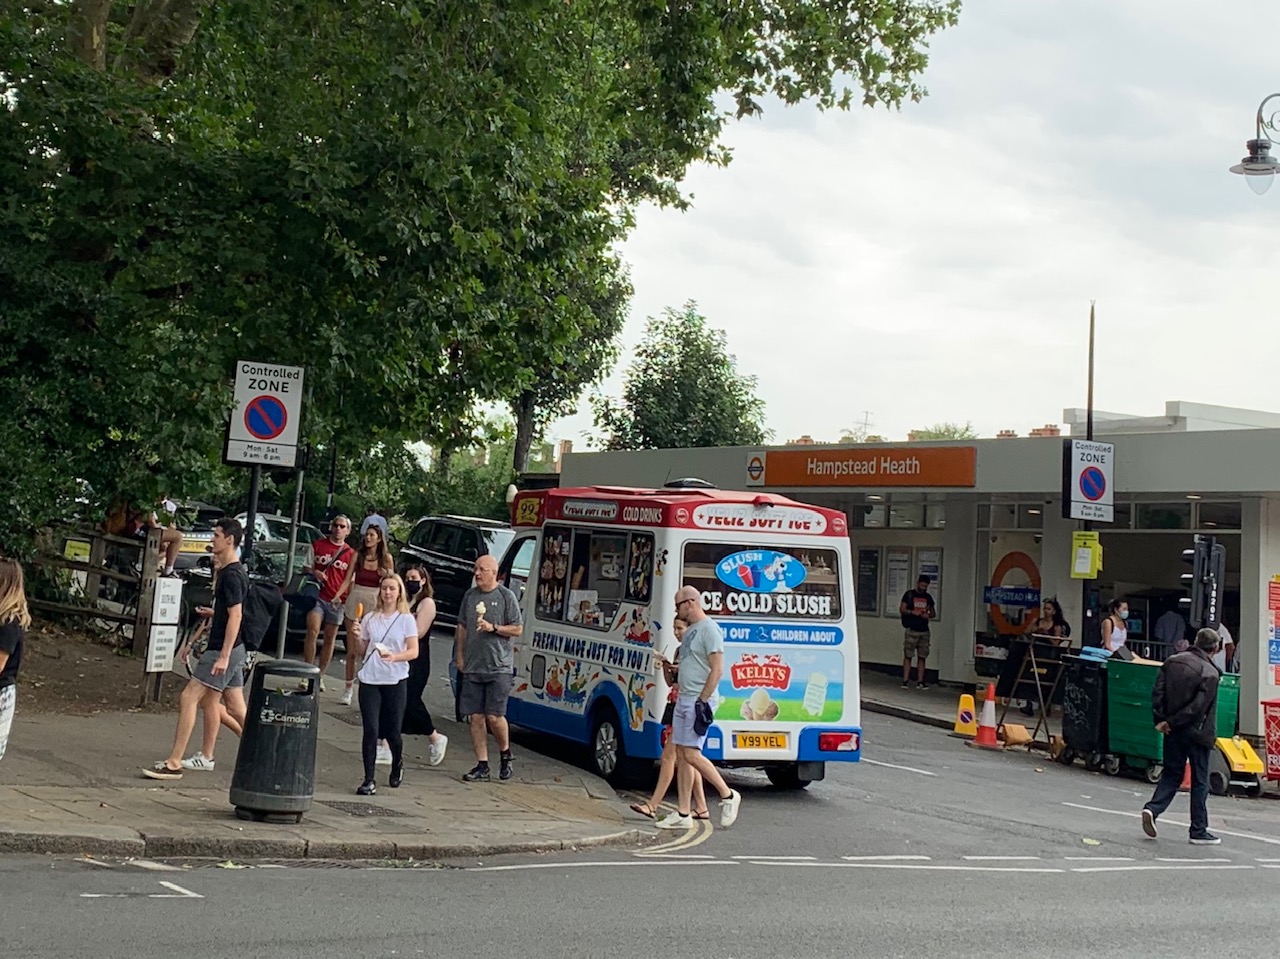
<point x="683" y="390"/>
<point x="390" y="194"/>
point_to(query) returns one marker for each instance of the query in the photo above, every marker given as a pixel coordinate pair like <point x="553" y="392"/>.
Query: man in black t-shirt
<point x="220" y="670"/>
<point x="916" y="610"/>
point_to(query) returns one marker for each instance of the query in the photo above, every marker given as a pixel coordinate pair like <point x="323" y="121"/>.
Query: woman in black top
<point x="14" y="619"/>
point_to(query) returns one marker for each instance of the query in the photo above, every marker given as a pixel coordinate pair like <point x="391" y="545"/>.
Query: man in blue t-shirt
<point x="701" y="666"/>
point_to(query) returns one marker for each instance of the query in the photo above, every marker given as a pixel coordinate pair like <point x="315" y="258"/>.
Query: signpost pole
<point x="1085" y="613"/>
<point x="251" y="514"/>
<point x="293" y="546"/>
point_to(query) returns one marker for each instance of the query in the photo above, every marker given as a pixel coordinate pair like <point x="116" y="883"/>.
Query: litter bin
<point x="1084" y="710"/>
<point x="1228" y="705"/>
<point x="275" y="775"/>
<point x="1132" y="737"/>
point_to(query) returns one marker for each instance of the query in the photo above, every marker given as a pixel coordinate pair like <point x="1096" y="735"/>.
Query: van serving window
<point x="585" y="574"/>
<point x="764" y="582"/>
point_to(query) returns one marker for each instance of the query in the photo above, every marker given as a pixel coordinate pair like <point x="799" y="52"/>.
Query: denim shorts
<point x="231" y="679"/>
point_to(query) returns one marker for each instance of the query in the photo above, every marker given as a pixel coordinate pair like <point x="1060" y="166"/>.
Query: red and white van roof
<point x="685" y="508"/>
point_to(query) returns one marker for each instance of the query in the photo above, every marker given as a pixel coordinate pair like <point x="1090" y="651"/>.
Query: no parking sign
<point x="264" y="421"/>
<point x="1087" y="480"/>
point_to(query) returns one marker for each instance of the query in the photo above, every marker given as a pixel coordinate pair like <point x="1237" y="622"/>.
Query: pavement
<point x="936" y="706"/>
<point x="72" y="784"/>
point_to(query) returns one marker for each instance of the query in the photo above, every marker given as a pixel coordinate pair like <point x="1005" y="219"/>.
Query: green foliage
<point x="403" y="198"/>
<point x="946" y="431"/>
<point x="683" y="390"/>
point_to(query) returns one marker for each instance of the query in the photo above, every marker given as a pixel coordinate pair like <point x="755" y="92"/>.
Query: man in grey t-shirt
<point x="701" y="665"/>
<point x="488" y="620"/>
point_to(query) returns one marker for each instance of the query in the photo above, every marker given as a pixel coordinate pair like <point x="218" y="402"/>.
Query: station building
<point x="984" y="518"/>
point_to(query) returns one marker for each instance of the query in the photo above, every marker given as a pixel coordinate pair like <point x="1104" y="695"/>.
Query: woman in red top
<point x="372" y="562"/>
<point x="667" y="764"/>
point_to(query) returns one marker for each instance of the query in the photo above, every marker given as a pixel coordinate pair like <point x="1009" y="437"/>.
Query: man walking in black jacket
<point x="1184" y="705"/>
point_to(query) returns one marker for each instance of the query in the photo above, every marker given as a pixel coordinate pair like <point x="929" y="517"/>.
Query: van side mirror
<point x="470" y="554"/>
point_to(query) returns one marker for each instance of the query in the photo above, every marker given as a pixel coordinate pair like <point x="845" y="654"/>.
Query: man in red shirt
<point x="333" y="559"/>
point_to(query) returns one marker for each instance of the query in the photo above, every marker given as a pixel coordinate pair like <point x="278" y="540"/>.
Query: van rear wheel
<point x="786" y="777"/>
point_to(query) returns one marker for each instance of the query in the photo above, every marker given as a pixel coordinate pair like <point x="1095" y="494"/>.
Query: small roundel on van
<point x="761" y="571"/>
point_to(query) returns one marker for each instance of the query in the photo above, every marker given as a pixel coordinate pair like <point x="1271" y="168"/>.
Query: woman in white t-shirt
<point x="385" y="641"/>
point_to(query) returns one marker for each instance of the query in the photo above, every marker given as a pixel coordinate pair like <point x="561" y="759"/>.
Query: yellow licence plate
<point x="759" y="740"/>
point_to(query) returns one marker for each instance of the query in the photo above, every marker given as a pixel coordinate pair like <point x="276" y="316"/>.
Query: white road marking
<point x="155" y="866"/>
<point x="178" y="893"/>
<point x="885" y="858"/>
<point x="1001" y="858"/>
<point x="1098" y="858"/>
<point x="182" y="893"/>
<point x="777" y="858"/>
<point x="94" y="862"/>
<point x="1267" y="860"/>
<point x="589" y="865"/>
<point x="1186" y="859"/>
<point x="682" y="855"/>
<point x="1170" y="867"/>
<point x="937" y="867"/>
<point x="910" y="769"/>
<point x="1175" y="822"/>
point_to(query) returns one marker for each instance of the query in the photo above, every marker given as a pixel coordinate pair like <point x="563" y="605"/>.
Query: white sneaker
<point x="384" y="756"/>
<point x="729" y="809"/>
<point x="675" y="821"/>
<point x="435" y="750"/>
<point x="322" y="684"/>
<point x="346" y="696"/>
<point x="198" y="762"/>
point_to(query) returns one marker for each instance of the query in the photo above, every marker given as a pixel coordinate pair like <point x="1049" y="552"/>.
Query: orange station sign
<point x="946" y="466"/>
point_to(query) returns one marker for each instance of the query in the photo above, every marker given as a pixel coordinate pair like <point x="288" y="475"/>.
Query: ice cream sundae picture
<point x="759" y="707"/>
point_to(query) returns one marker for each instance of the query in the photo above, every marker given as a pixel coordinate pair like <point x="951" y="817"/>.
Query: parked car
<point x="196" y="521"/>
<point x="267" y="565"/>
<point x="275" y="527"/>
<point x="448" y="547"/>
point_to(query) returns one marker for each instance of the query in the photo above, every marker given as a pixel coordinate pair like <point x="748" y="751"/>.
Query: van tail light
<point x="838" y="742"/>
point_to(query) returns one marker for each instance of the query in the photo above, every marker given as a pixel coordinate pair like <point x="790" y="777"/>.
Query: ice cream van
<point x="597" y="569"/>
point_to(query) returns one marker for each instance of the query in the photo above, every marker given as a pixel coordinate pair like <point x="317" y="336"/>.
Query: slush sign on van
<point x="761" y="571"/>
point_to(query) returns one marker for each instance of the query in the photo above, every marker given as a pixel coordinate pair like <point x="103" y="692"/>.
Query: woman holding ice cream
<point x="385" y="641"/>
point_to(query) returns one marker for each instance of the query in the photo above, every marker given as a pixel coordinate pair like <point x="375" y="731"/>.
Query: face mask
<point x="1124" y="614"/>
<point x="412" y="586"/>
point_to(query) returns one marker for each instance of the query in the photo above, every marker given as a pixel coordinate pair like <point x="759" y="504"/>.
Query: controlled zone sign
<point x="264" y="420"/>
<point x="1087" y="480"/>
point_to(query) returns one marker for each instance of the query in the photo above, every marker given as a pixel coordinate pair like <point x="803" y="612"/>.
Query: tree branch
<point x="156" y="36"/>
<point x="87" y="32"/>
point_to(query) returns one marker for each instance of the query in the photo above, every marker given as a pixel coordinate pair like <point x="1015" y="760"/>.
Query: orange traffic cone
<point x="986" y="738"/>
<point x="1186" y="779"/>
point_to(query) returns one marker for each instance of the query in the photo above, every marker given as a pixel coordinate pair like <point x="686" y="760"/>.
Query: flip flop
<point x="644" y="809"/>
<point x="703" y="814"/>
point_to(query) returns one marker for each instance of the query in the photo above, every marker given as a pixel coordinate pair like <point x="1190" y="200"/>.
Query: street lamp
<point x="1259" y="167"/>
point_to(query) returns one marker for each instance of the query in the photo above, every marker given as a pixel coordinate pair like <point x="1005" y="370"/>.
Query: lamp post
<point x="1259" y="167"/>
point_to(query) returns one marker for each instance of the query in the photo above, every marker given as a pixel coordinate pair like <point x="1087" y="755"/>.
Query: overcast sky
<point x="937" y="263"/>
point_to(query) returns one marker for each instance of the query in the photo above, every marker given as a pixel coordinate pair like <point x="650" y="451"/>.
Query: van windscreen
<point x="764" y="583"/>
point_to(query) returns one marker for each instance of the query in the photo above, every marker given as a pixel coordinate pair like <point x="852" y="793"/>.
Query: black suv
<point x="448" y="546"/>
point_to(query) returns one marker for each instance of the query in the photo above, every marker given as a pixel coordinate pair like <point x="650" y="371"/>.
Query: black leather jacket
<point x="1186" y="696"/>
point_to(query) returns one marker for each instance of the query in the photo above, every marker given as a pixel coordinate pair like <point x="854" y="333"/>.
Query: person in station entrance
<point x="916" y="609"/>
<point x="1184" y="705"/>
<point x="1115" y="631"/>
<point x="1225" y="657"/>
<point x="1170" y="632"/>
